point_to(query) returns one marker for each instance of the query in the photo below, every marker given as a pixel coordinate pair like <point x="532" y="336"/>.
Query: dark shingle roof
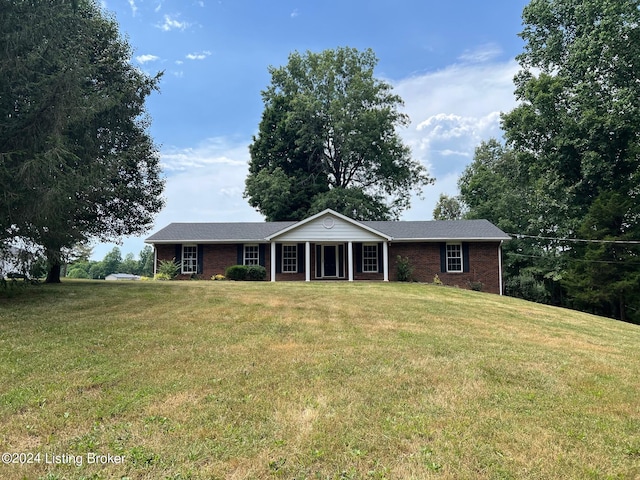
<point x="440" y="230"/>
<point x="216" y="232"/>
<point x="400" y="230"/>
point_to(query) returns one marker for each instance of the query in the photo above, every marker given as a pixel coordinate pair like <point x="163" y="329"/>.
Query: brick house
<point x="331" y="246"/>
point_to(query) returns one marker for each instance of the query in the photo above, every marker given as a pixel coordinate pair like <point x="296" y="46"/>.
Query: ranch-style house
<point x="331" y="246"/>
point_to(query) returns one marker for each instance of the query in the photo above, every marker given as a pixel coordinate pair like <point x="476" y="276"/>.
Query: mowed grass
<point x="205" y="380"/>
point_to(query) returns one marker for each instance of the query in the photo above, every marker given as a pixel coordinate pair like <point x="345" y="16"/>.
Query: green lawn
<point x="224" y="380"/>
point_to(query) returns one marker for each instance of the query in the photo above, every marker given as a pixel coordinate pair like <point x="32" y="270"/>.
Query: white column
<point x="273" y="261"/>
<point x="307" y="261"/>
<point x="350" y="260"/>
<point x="155" y="259"/>
<point x="385" y="260"/>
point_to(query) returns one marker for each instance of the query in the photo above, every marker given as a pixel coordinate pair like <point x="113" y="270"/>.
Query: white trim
<point x="377" y="269"/>
<point x="272" y="261"/>
<point x="350" y="259"/>
<point x="385" y="260"/>
<point x="335" y="214"/>
<point x="339" y="264"/>
<point x="446" y="257"/>
<point x="307" y="261"/>
<point x="244" y="253"/>
<point x="182" y="270"/>
<point x="295" y="245"/>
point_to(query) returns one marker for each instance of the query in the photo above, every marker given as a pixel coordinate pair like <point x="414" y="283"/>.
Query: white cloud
<point x="452" y="111"/>
<point x="295" y="13"/>
<point x="172" y="24"/>
<point x="211" y="152"/>
<point x="199" y="56"/>
<point x="147" y="58"/>
<point x="481" y="54"/>
<point x="134" y="8"/>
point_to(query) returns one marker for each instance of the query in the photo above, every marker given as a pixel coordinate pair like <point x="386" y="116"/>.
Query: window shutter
<point x="301" y="257"/>
<point x="358" y="249"/>
<point x="261" y="254"/>
<point x="443" y="257"/>
<point x="380" y="258"/>
<point x="178" y="255"/>
<point x="318" y="261"/>
<point x="240" y="254"/>
<point x="465" y="258"/>
<point x="278" y="258"/>
<point x="199" y="266"/>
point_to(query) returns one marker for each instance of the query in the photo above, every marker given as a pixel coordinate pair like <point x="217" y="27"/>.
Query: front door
<point x="330" y="261"/>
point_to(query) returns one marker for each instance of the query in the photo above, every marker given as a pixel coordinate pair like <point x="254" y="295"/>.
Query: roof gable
<point x="329" y="225"/>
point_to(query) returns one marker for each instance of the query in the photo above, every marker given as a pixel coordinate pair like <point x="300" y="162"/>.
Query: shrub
<point x="236" y="272"/>
<point x="167" y="268"/>
<point x="246" y="272"/>
<point x="162" y="276"/>
<point x="256" y="273"/>
<point x="436" y="280"/>
<point x="218" y="276"/>
<point x="405" y="269"/>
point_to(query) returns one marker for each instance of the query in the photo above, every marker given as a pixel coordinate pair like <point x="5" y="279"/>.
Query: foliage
<point x="604" y="275"/>
<point x="246" y="272"/>
<point x="112" y="263"/>
<point x="76" y="160"/>
<point x="218" y="276"/>
<point x="328" y="137"/>
<point x="404" y="269"/>
<point x="163" y="276"/>
<point x="168" y="268"/>
<point x="572" y="144"/>
<point x="448" y="208"/>
<point x="236" y="272"/>
<point x="256" y="273"/>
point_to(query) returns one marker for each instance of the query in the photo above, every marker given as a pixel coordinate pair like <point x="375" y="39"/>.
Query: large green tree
<point x="578" y="124"/>
<point x="574" y="144"/>
<point x="76" y="160"/>
<point x="328" y="137"/>
<point x="496" y="186"/>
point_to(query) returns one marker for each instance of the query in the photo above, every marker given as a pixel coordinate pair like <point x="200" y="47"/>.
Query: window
<point x="189" y="259"/>
<point x="454" y="257"/>
<point x="251" y="255"/>
<point x="289" y="259"/>
<point x="370" y="258"/>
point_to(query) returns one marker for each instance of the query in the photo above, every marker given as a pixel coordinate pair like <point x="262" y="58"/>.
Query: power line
<point x="577" y="240"/>
<point x="579" y="260"/>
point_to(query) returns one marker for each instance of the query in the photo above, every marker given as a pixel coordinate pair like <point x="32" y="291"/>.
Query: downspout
<point x="500" y="266"/>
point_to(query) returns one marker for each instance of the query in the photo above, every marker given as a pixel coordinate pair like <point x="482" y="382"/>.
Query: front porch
<point x="345" y="260"/>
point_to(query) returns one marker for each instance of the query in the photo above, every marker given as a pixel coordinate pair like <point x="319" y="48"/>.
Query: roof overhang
<point x="327" y="212"/>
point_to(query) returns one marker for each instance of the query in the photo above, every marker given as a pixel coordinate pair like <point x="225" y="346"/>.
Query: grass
<point x="200" y="380"/>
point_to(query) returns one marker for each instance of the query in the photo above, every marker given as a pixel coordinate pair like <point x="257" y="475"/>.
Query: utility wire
<point x="579" y="260"/>
<point x="616" y="242"/>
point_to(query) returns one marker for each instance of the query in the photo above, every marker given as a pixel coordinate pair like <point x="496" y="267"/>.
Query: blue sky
<point x="451" y="61"/>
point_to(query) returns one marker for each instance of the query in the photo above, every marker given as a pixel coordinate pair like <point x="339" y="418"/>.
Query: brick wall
<point x="424" y="257"/>
<point x="425" y="260"/>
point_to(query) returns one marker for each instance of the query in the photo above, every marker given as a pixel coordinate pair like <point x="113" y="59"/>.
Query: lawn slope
<point x="199" y="380"/>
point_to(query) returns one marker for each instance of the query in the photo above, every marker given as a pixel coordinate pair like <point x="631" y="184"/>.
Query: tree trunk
<point x="53" y="275"/>
<point x="54" y="264"/>
<point x="623" y="311"/>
